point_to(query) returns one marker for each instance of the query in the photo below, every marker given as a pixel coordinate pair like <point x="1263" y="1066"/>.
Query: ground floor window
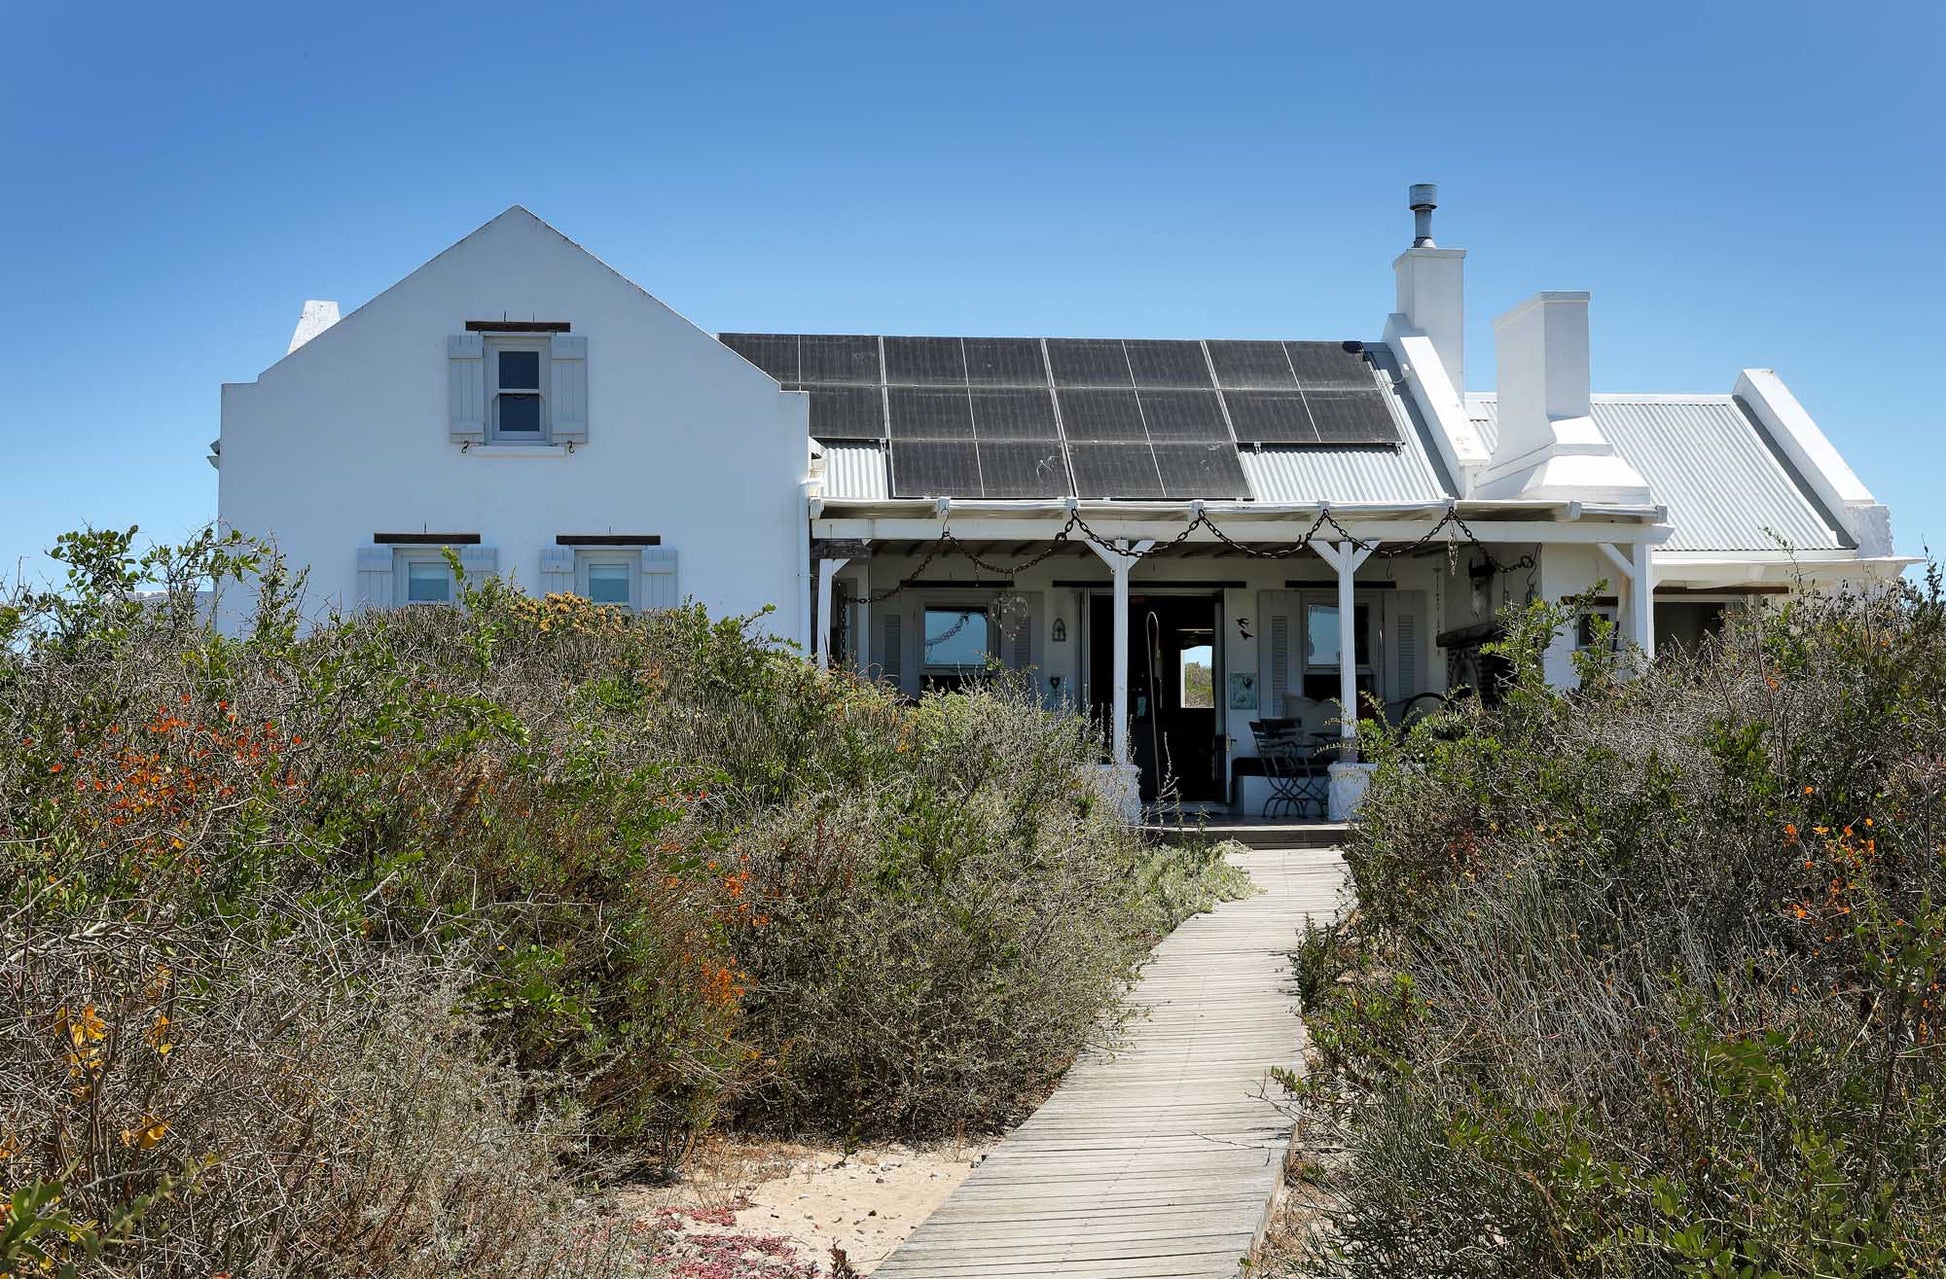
<point x="1323" y="655"/>
<point x="608" y="577"/>
<point x="424" y="578"/>
<point x="956" y="644"/>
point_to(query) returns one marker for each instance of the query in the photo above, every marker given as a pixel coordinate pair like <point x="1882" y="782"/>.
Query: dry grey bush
<point x="1645" y="980"/>
<point x="297" y="1108"/>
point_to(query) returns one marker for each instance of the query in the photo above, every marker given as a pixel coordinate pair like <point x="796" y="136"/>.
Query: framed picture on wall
<point x="1243" y="691"/>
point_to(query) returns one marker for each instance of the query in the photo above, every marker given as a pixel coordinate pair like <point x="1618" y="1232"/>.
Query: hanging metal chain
<point x="1450" y="523"/>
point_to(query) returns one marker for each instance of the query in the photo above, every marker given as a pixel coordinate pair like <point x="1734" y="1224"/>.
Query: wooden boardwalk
<point x="1160" y="1159"/>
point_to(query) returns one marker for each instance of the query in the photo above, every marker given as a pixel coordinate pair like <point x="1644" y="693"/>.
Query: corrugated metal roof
<point x="1304" y="476"/>
<point x="855" y="473"/>
<point x="1704" y="459"/>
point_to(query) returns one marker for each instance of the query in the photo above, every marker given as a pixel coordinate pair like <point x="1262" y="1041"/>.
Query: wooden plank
<point x="1157" y="1157"/>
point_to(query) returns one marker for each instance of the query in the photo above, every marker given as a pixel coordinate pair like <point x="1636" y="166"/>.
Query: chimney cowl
<point x="1422" y="198"/>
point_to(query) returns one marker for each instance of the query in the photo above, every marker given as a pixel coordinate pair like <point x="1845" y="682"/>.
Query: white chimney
<point x="1431" y="293"/>
<point x="1548" y="446"/>
<point x="317" y="317"/>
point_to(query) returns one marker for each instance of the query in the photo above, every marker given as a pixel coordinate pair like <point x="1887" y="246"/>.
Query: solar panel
<point x="1329" y="364"/>
<point x="1179" y="364"/>
<point x="774" y="353"/>
<point x="826" y="357"/>
<point x="1114" y="470"/>
<point x="1026" y="417"/>
<point x="1014" y="415"/>
<point x="1201" y="470"/>
<point x="1088" y="362"/>
<point x="1251" y="365"/>
<point x="1017" y="468"/>
<point x="923" y="413"/>
<point x="925" y="362"/>
<point x="1352" y="417"/>
<point x="934" y="468"/>
<point x="1097" y="414"/>
<point x="1270" y="417"/>
<point x="845" y="412"/>
<point x="1184" y="415"/>
<point x="1005" y="362"/>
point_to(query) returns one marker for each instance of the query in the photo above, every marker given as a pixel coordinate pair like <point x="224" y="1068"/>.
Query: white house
<point x="1315" y="521"/>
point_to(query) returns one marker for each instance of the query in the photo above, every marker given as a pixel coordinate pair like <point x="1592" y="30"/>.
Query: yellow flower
<point x="87" y="1028"/>
<point x="145" y="1135"/>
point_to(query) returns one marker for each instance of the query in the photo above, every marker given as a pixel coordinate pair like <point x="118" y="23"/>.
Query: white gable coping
<point x="1461" y="446"/>
<point x="1793" y="433"/>
<point x="318" y="315"/>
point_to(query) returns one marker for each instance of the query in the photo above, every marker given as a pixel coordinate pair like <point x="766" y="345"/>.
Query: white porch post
<point x="1346" y="557"/>
<point x="1119" y="561"/>
<point x="821" y="641"/>
<point x="861" y="640"/>
<point x="1641" y="600"/>
<point x="1637" y="570"/>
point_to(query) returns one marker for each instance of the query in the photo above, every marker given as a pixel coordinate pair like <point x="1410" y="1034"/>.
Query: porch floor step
<point x="1251" y="834"/>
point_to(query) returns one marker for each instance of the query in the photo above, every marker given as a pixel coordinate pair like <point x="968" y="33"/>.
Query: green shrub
<point x="1645" y="979"/>
<point x="370" y="930"/>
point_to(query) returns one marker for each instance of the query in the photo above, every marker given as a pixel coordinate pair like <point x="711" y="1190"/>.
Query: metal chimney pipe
<point x="1423" y="198"/>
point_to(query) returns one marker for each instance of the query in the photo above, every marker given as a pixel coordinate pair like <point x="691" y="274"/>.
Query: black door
<point x="1172" y="694"/>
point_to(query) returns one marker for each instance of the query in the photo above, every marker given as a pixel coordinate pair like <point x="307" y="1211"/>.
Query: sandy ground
<point x="866" y="1202"/>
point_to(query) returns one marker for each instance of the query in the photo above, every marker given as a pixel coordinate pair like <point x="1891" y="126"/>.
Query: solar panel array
<point x="1031" y="417"/>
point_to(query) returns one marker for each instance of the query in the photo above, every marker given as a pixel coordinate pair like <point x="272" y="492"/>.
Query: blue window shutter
<point x="557" y="571"/>
<point x="465" y="388"/>
<point x="1408" y="643"/>
<point x="375" y="576"/>
<point x="891" y="653"/>
<point x="1276" y="618"/>
<point x="659" y="586"/>
<point x="1020" y="619"/>
<point x="478" y="562"/>
<point x="568" y="408"/>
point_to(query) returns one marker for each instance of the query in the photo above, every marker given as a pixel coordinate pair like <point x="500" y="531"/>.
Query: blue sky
<point x="1739" y="184"/>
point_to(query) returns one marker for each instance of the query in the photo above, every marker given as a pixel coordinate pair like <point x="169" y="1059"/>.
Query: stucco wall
<point x="347" y="436"/>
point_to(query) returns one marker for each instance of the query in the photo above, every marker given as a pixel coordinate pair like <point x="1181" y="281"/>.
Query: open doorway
<point x="1173" y="691"/>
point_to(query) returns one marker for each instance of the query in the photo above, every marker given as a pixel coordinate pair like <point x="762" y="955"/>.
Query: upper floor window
<point x="519" y="409"/>
<point x="517" y="383"/>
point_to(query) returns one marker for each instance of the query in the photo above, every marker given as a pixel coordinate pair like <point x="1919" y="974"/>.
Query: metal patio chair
<point x="1295" y="767"/>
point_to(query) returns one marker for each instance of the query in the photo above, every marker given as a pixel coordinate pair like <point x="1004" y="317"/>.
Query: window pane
<point x="1321" y="646"/>
<point x="609" y="583"/>
<point x="520" y="413"/>
<point x="428" y="583"/>
<point x="520" y="370"/>
<point x="1321" y="635"/>
<point x="956" y="637"/>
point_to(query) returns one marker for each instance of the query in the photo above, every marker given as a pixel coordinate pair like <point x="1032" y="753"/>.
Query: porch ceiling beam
<point x="1276" y="530"/>
<point x="1622" y="563"/>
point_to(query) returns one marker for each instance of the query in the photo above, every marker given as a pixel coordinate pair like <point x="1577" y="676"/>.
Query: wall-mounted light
<point x="1060" y="632"/>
